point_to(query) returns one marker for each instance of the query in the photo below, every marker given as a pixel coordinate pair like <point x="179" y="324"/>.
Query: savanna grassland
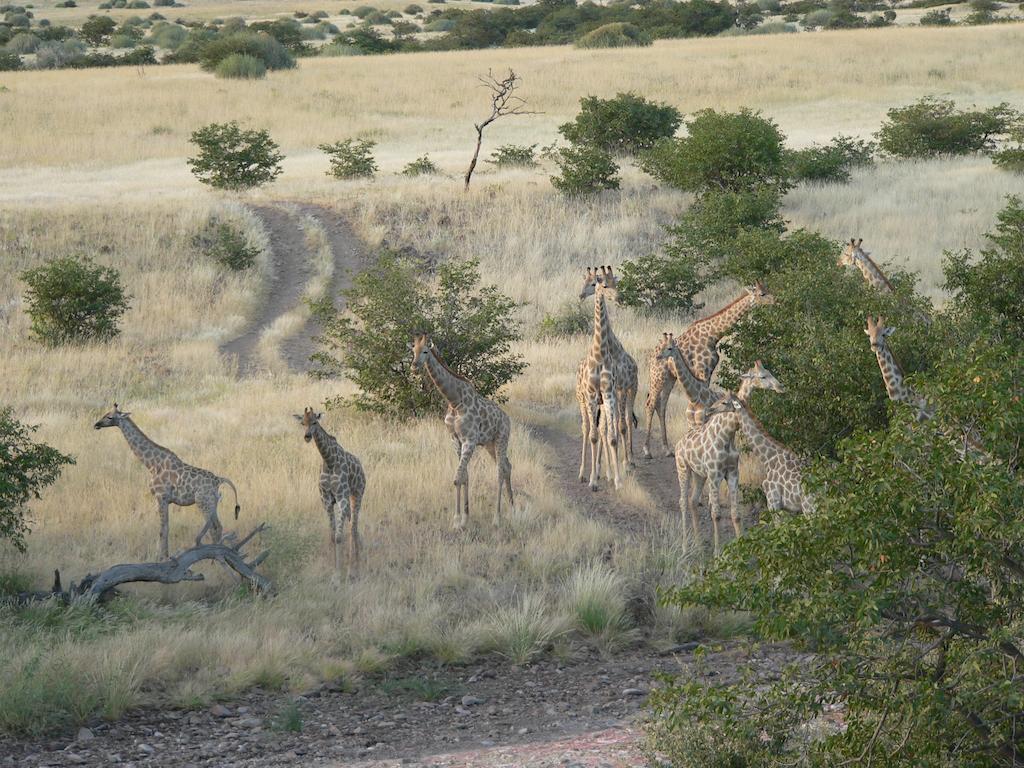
<point x="92" y="162"/>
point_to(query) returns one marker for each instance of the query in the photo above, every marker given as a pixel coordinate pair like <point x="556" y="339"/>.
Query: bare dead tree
<point x="178" y="568"/>
<point x="503" y="102"/>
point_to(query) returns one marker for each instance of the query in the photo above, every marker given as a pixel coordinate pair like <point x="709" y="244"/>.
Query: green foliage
<point x="232" y="158"/>
<point x="226" y="244"/>
<point x="618" y="34"/>
<point x="514" y="156"/>
<point x="351" y="158"/>
<point x="734" y="151"/>
<point x="626" y="124"/>
<point x="831" y="163"/>
<point x="26" y="468"/>
<point x="933" y="127"/>
<point x="367" y="41"/>
<point x="571" y="319"/>
<point x="241" y="66"/>
<point x="288" y="719"/>
<point x="1011" y="158"/>
<point x="260" y="46"/>
<point x="660" y="282"/>
<point x="472" y="325"/>
<point x="413" y="9"/>
<point x="585" y="170"/>
<point x="97" y="29"/>
<point x="73" y="301"/>
<point x="169" y="36"/>
<point x="9" y="62"/>
<point x="937" y="18"/>
<point x="421" y="166"/>
<point x="23" y="42"/>
<point x="989" y="290"/>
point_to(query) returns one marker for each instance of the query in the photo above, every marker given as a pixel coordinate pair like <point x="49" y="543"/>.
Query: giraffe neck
<point x="324" y="442"/>
<point x="145" y="449"/>
<point x="892" y="377"/>
<point x="715" y="326"/>
<point x="695" y="388"/>
<point x="455" y="390"/>
<point x="763" y="445"/>
<point x="746" y="387"/>
<point x="872" y="272"/>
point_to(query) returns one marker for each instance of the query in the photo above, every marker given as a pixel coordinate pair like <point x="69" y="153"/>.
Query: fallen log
<point x="176" y="569"/>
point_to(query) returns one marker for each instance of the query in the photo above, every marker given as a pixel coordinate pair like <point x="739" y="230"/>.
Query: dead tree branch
<point x="504" y="101"/>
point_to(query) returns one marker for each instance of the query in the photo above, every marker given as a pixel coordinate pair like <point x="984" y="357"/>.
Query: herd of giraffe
<point x="606" y="389"/>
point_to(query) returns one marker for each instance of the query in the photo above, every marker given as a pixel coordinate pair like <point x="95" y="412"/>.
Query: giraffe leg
<point x="733" y="479"/>
<point x="462" y="480"/>
<point x="713" y="504"/>
<point x="650" y="409"/>
<point x="164" y="529"/>
<point x="354" y="544"/>
<point x="328" y="502"/>
<point x="585" y="429"/>
<point x="595" y="449"/>
<point x="662" y="411"/>
<point x="612" y="449"/>
<point x="498" y="454"/>
<point x="683" y="473"/>
<point x="698" y="492"/>
<point x="630" y="407"/>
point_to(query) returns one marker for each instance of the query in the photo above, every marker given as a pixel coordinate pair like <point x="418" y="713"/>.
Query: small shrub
<point x="1010" y="159"/>
<point x="596" y="599"/>
<point x="168" y="36"/>
<point x="614" y="35"/>
<point x="9" y="62"/>
<point x="351" y="158"/>
<point x="934" y="127"/>
<point x="376" y="19"/>
<point x="413" y="9"/>
<point x="815" y="19"/>
<point x="241" y="66"/>
<point x="23" y="42"/>
<point x="514" y="156"/>
<point x="66" y="4"/>
<point x="572" y="319"/>
<point x="421" y="166"/>
<point x="521" y="632"/>
<point x="830" y="163"/>
<point x="232" y="158"/>
<point x="261" y="45"/>
<point x="26" y="468"/>
<point x="73" y="301"/>
<point x="439" y="25"/>
<point x="122" y="41"/>
<point x="734" y="151"/>
<point x="55" y="55"/>
<point x="363" y="11"/>
<point x="937" y="18"/>
<point x="339" y="49"/>
<point x="627" y="123"/>
<point x="227" y="245"/>
<point x="472" y="325"/>
<point x="137" y="4"/>
<point x="585" y="170"/>
<point x="288" y="719"/>
<point x="771" y="28"/>
<point x="97" y="29"/>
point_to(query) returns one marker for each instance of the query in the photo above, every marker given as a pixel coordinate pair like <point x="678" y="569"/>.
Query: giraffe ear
<point x="887" y="330"/>
<point x="319" y="416"/>
<point x="298" y="418"/>
<point x="859" y="241"/>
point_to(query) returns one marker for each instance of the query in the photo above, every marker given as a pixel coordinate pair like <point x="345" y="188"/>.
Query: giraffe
<point x="704" y="456"/>
<point x="855" y="256"/>
<point x="892" y="375"/>
<point x="472" y="420"/>
<point x="595" y="378"/>
<point x="699" y="393"/>
<point x="342" y="484"/>
<point x="783" y="469"/>
<point x="621" y="364"/>
<point x="699" y="345"/>
<point x="172" y="481"/>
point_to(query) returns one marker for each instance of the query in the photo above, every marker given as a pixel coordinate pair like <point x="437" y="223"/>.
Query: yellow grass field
<point x="93" y="162"/>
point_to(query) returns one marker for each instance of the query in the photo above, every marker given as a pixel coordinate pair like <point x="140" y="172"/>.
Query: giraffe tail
<point x="234" y="491"/>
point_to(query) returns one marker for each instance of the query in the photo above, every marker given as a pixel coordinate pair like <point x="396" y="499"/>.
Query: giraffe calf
<point x="342" y="484"/>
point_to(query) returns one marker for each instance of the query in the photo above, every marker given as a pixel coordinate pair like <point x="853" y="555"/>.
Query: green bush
<point x="626" y="124"/>
<point x="421" y="166"/>
<point x="830" y="163"/>
<point x="260" y="46"/>
<point x="439" y="25"/>
<point x="733" y="151"/>
<point x="933" y="127"/>
<point x="55" y="55"/>
<point x="615" y="35"/>
<point x="661" y="282"/>
<point x="1010" y="159"/>
<point x="226" y="244"/>
<point x="351" y="158"/>
<point x="23" y="42"/>
<point x="413" y="9"/>
<point x="937" y="18"/>
<point x="472" y="325"/>
<point x="571" y="319"/>
<point x="232" y="158"/>
<point x="74" y="301"/>
<point x="168" y="36"/>
<point x="585" y="170"/>
<point x="97" y="29"/>
<point x="122" y="41"/>
<point x="338" y="49"/>
<point x="514" y="156"/>
<point x="9" y="62"/>
<point x="26" y="468"/>
<point x="241" y="66"/>
<point x="771" y="28"/>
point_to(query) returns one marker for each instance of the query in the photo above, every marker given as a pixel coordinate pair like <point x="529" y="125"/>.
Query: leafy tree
<point x="830" y="163"/>
<point x="938" y="17"/>
<point x="367" y="41"/>
<point x="421" y="166"/>
<point x="514" y="156"/>
<point x="734" y="151"/>
<point x="26" y="468"/>
<point x="73" y="301"/>
<point x="932" y="127"/>
<point x="473" y="326"/>
<point x="232" y="158"/>
<point x="9" y="62"/>
<point x="584" y="170"/>
<point x="97" y="29"/>
<point x="258" y="46"/>
<point x="625" y="124"/>
<point x="661" y="282"/>
<point x="619" y="34"/>
<point x="351" y="158"/>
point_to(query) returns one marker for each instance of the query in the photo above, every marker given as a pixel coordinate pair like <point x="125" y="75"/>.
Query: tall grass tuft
<point x="522" y="631"/>
<point x="595" y="597"/>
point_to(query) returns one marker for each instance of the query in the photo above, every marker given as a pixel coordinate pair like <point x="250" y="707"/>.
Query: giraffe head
<point x="310" y="419"/>
<point x="602" y="278"/>
<point x="759" y="294"/>
<point x="420" y="349"/>
<point x="877" y="332"/>
<point x="668" y="347"/>
<point x="112" y="418"/>
<point x="852" y="253"/>
<point x="761" y="378"/>
<point x="727" y="403"/>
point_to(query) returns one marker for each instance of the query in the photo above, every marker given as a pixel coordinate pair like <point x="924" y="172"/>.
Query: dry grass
<point x="67" y="187"/>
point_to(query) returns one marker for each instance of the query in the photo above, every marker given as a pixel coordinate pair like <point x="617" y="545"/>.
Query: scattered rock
<point x="249" y="722"/>
<point x="84" y="734"/>
<point x="634" y="692"/>
<point x="146" y="749"/>
<point x="74" y="758"/>
<point x="219" y="710"/>
<point x="471" y="701"/>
